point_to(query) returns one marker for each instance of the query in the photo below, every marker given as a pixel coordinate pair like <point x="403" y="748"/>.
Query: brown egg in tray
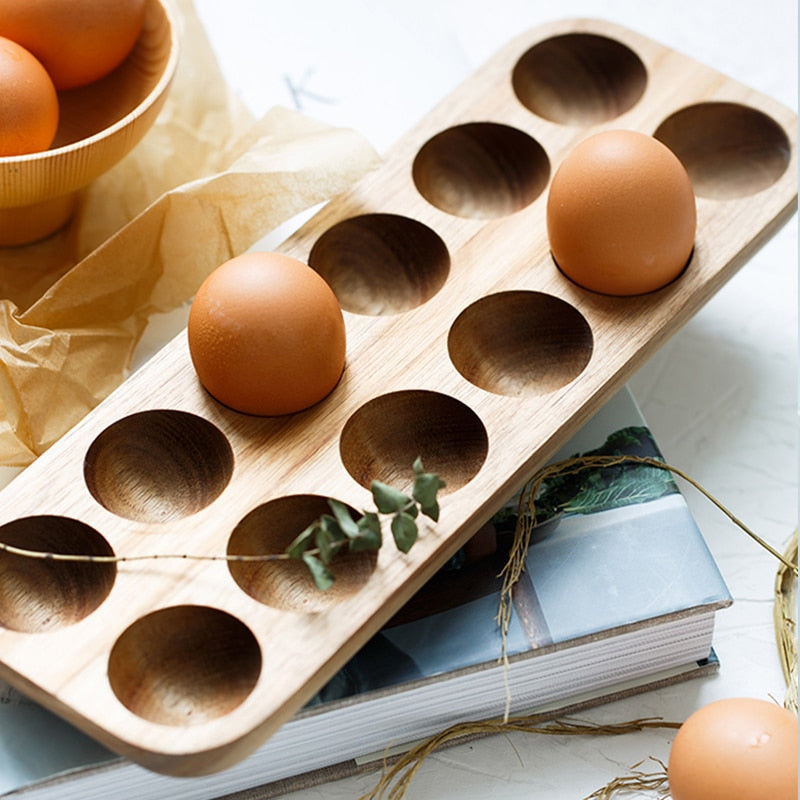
<point x="466" y="346"/>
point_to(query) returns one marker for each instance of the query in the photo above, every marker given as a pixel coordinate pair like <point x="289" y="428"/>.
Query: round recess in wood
<point x="184" y="665"/>
<point x="287" y="584"/>
<point x="384" y="437"/>
<point x="579" y="79"/>
<point x="158" y="465"/>
<point x="381" y="263"/>
<point x="729" y="150"/>
<point x="481" y="170"/>
<point x="41" y="594"/>
<point x="520" y="343"/>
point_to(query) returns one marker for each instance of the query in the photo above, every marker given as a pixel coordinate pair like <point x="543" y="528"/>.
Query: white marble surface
<point x="720" y="395"/>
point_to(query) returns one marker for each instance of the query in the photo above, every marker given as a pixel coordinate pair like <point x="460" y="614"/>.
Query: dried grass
<point x="785" y="617"/>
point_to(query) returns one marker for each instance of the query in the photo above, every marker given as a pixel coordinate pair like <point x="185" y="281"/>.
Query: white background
<point x="720" y="396"/>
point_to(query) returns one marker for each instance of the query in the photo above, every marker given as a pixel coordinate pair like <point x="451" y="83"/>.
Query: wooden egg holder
<point x="466" y="346"/>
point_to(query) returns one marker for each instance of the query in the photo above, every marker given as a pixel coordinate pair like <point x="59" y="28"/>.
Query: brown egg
<point x="735" y="749"/>
<point x="78" y="41"/>
<point x="266" y="335"/>
<point x="621" y="215"/>
<point x="29" y="120"/>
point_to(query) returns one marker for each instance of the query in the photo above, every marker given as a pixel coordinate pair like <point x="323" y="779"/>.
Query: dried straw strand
<point x="637" y="781"/>
<point x="784" y="615"/>
<point x="396" y="779"/>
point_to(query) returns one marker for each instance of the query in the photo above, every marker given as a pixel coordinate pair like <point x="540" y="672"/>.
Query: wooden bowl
<point x="99" y="124"/>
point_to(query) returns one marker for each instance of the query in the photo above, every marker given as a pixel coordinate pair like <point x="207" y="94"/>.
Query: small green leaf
<point x="331" y="527"/>
<point x="370" y="522"/>
<point x="323" y="578"/>
<point x="368" y="540"/>
<point x="426" y="487"/>
<point x="404" y="530"/>
<point x="302" y="542"/>
<point x="369" y="536"/>
<point x="431" y="511"/>
<point x="346" y="522"/>
<point x="325" y="545"/>
<point x="388" y="500"/>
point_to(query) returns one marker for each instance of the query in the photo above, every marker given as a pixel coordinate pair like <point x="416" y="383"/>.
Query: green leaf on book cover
<point x="624" y="488"/>
<point x="604" y="488"/>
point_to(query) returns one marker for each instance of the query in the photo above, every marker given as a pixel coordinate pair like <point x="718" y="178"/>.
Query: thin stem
<point x="97" y="559"/>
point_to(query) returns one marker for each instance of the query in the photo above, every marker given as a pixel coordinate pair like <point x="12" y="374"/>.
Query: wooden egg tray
<point x="466" y="346"/>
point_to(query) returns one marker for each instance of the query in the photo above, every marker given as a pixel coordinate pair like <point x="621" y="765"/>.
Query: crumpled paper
<point x="206" y="183"/>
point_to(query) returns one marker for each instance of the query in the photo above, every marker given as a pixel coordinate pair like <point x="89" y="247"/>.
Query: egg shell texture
<point x="621" y="214"/>
<point x="78" y="41"/>
<point x="735" y="749"/>
<point x="266" y="335"/>
<point x="30" y="109"/>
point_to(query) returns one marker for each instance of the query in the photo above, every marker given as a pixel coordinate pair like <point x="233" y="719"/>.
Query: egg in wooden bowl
<point x="30" y="103"/>
<point x="99" y="122"/>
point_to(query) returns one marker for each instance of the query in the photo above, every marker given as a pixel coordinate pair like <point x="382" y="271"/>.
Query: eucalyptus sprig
<point x="339" y="531"/>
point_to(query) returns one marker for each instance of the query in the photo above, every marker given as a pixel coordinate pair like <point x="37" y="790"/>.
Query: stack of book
<point x="619" y="595"/>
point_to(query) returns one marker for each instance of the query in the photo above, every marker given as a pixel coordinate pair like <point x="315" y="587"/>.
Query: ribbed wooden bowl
<point x="99" y="124"/>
